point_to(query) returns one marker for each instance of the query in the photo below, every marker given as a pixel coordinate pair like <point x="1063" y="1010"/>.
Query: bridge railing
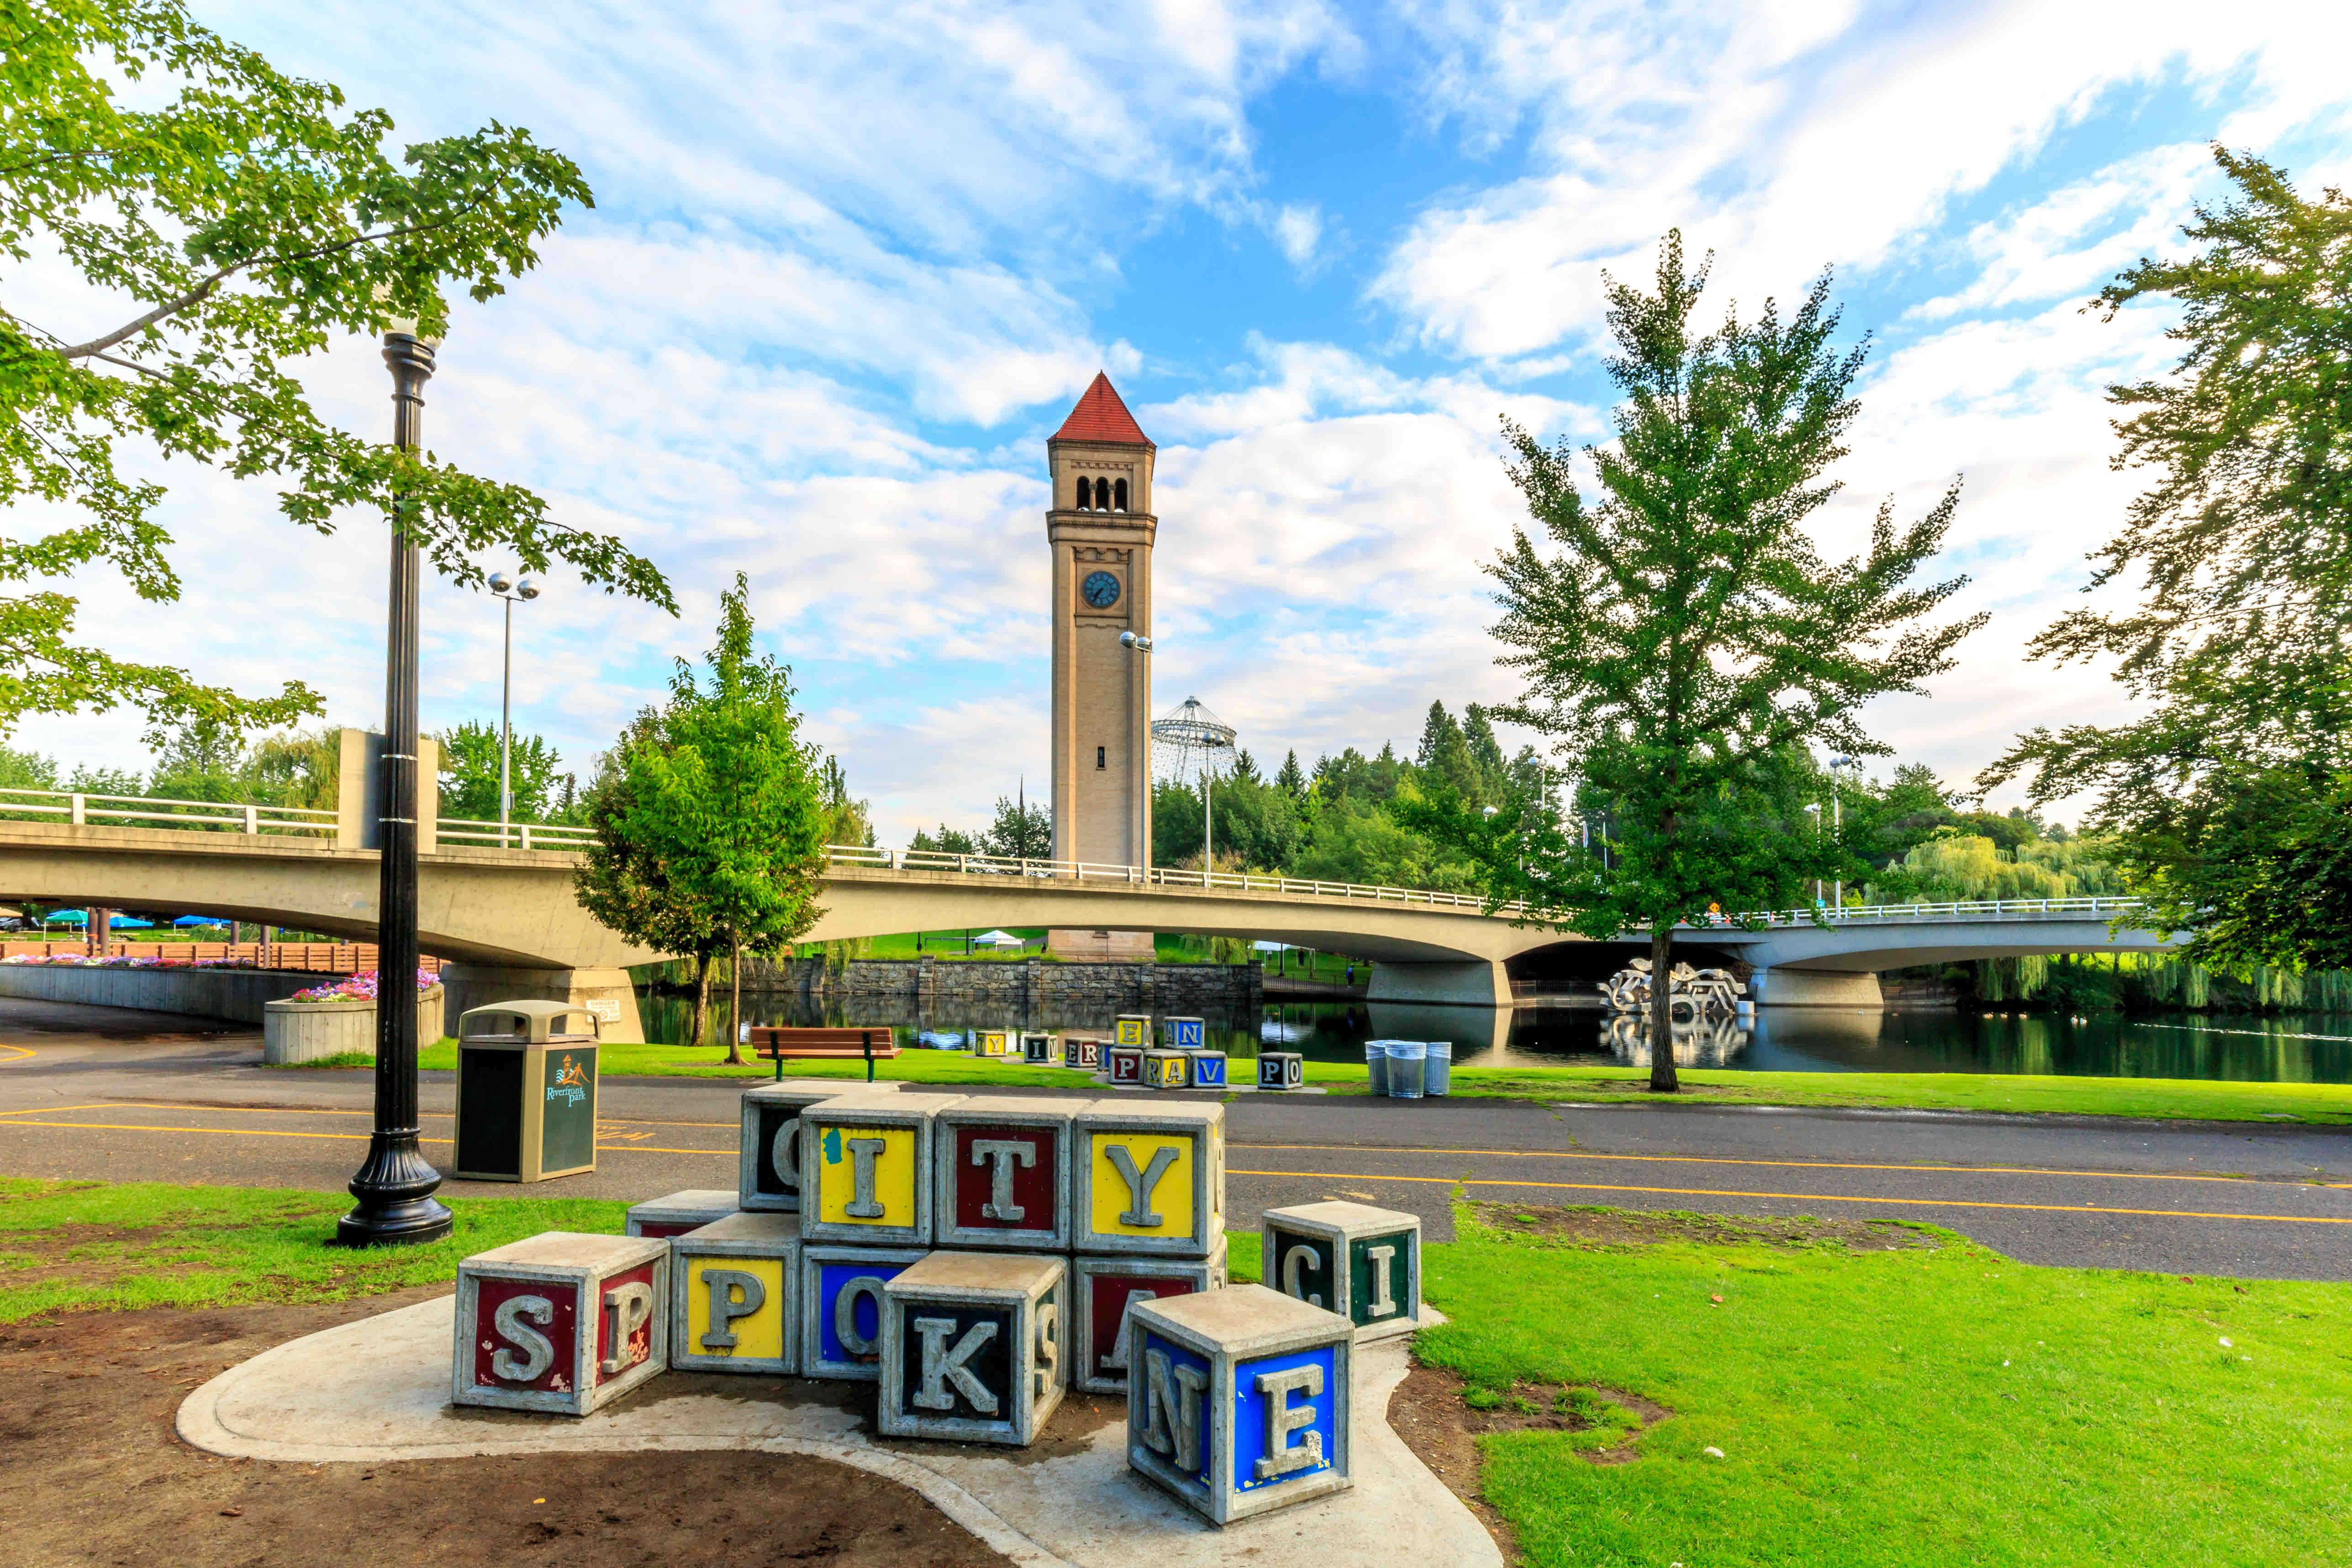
<point x="1140" y="876"/>
<point x="2104" y="905"/>
<point x="515" y="835"/>
<point x="208" y="816"/>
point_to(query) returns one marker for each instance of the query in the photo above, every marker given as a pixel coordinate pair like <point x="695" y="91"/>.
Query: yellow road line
<point x="315" y="1110"/>
<point x="22" y="1051"/>
<point x="55" y="1109"/>
<point x="1722" y="1160"/>
<point x="1804" y="1197"/>
<point x="337" y="1137"/>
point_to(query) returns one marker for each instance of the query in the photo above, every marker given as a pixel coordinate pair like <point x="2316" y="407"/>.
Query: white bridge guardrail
<point x="225" y="816"/>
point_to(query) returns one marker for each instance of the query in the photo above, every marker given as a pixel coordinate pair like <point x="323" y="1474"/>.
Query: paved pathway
<point x="106" y="1093"/>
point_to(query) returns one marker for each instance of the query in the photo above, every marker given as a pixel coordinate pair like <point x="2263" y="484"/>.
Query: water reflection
<point x="2290" y="1047"/>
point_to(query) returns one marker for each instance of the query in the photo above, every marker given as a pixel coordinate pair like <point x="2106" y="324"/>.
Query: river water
<point x="2294" y="1048"/>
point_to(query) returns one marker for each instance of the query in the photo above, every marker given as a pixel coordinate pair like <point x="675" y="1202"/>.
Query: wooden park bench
<point x="779" y="1045"/>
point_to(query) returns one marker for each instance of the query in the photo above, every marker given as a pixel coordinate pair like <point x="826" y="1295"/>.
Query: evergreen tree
<point x="1021" y="830"/>
<point x="1291" y="780"/>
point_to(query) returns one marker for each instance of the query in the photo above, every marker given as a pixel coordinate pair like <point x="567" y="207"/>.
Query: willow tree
<point x="1683" y="641"/>
<point x="205" y="223"/>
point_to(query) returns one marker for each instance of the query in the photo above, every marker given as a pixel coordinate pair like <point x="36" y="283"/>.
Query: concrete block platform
<point x="377" y="1392"/>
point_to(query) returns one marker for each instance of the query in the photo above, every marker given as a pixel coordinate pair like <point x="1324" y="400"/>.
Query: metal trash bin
<point x="526" y="1092"/>
<point x="1437" y="1069"/>
<point x="1376" y="1065"/>
<point x="1407" y="1060"/>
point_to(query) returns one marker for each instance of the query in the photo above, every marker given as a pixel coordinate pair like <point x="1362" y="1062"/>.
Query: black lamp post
<point x="394" y="1187"/>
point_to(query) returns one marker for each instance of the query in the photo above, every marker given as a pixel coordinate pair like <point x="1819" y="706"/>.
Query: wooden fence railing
<point x="320" y="957"/>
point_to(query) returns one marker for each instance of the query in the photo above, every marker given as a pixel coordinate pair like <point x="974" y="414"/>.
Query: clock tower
<point x="1100" y="528"/>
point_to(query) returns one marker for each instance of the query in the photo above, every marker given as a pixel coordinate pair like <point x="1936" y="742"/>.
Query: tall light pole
<point x="1815" y="810"/>
<point x="394" y="1186"/>
<point x="508" y="590"/>
<point x="1837" y="810"/>
<point x="1142" y="644"/>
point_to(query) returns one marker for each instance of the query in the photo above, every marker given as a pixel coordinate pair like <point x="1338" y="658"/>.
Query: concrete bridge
<point x="506" y="920"/>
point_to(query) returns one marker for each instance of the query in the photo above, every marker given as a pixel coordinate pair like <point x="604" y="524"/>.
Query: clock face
<point x="1100" y="589"/>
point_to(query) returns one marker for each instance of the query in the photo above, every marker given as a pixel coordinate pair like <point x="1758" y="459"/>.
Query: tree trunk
<point x="702" y="999"/>
<point x="735" y="1007"/>
<point x="1661" y="1008"/>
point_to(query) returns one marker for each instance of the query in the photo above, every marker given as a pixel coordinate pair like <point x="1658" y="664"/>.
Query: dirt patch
<point x="1626" y="1228"/>
<point x="1440" y="1418"/>
<point x="91" y="1473"/>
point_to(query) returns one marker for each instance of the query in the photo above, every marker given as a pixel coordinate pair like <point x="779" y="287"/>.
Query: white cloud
<point x="1297" y="231"/>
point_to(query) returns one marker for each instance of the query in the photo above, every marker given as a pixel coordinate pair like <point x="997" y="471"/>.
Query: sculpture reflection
<point x="1707" y="1041"/>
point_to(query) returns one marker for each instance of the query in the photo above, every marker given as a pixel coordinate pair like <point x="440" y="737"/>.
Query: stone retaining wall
<point x="308" y="1031"/>
<point x="1139" y="987"/>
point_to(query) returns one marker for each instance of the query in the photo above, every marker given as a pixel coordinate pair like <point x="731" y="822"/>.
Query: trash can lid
<point x="528" y="1019"/>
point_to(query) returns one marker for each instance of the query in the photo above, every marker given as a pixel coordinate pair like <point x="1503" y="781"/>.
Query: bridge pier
<point x="604" y="992"/>
<point x="1470" y="982"/>
<point x="1779" y="988"/>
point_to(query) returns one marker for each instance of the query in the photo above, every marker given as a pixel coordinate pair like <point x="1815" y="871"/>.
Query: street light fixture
<point x="510" y="590"/>
<point x="394" y="1186"/>
<point x="1813" y="810"/>
<point x="1837" y="809"/>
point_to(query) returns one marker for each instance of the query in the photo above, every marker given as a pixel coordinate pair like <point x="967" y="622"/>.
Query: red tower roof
<point x="1101" y="416"/>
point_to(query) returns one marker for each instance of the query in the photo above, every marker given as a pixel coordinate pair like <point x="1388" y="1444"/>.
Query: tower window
<point x="1085" y="493"/>
<point x="1098" y="759"/>
<point x="1119" y="494"/>
<point x="1102" y="495"/>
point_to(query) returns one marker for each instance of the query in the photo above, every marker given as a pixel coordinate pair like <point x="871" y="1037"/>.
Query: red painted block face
<point x="527" y="1335"/>
<point x="658" y="1230"/>
<point x="624" y="1315"/>
<point x="1127" y="1064"/>
<point x="1005" y="1177"/>
<point x="1111" y="1295"/>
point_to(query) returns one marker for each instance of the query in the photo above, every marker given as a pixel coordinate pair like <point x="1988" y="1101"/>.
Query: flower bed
<point x="339" y="1017"/>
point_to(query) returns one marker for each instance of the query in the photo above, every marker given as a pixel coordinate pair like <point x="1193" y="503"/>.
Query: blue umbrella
<point x="130" y="922"/>
<point x="201" y="921"/>
<point x="66" y="918"/>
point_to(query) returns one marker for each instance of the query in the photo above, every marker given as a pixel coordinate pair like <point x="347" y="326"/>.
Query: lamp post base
<point x="395" y="1189"/>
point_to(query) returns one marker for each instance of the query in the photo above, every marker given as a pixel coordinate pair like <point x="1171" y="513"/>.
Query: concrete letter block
<point x="972" y="1347"/>
<point x="1147" y="1180"/>
<point x="561" y="1322"/>
<point x="1361" y="1262"/>
<point x="1186" y="1034"/>
<point x="1208" y="1069"/>
<point x="1102" y="1289"/>
<point x="732" y="1285"/>
<point x="1238" y="1400"/>
<point x="866" y="1169"/>
<point x="1131" y="1029"/>
<point x="662" y="1218"/>
<point x="769" y="1177"/>
<point x="1125" y="1064"/>
<point x="1168" y="1069"/>
<point x="994" y="1043"/>
<point x="1037" y="1050"/>
<point x="1003" y="1173"/>
<point x="1281" y="1069"/>
<point x="841" y="1307"/>
<point x="1081" y="1051"/>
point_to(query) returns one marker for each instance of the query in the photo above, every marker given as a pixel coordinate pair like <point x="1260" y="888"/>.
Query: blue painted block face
<point x="849" y="1311"/>
<point x="1187" y="1034"/>
<point x="1283" y="1428"/>
<point x="1173" y="1429"/>
<point x="1208" y="1070"/>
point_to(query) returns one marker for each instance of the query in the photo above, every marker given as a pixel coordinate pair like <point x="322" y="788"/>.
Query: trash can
<point x="1437" y="1069"/>
<point x="1406" y="1061"/>
<point x="526" y="1092"/>
<point x="1376" y="1065"/>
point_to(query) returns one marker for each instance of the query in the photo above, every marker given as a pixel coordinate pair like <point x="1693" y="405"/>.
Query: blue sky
<point x="850" y="264"/>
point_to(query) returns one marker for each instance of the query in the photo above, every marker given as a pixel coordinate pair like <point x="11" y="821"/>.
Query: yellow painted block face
<point x="1142" y="1183"/>
<point x="994" y="1042"/>
<point x="866" y="1175"/>
<point x="1166" y="1072"/>
<point x="758" y="1336"/>
<point x="1134" y="1032"/>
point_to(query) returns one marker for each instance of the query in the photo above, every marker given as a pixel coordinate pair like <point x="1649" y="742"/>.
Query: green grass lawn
<point x="2187" y="1098"/>
<point x="1927" y="1407"/>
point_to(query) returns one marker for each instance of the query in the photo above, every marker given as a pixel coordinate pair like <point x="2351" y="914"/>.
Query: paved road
<point x="113" y="1094"/>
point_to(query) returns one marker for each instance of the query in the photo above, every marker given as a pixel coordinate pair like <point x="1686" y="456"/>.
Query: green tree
<point x="2230" y="792"/>
<point x="1022" y="831"/>
<point x="731" y="805"/>
<point x="469" y="773"/>
<point x="1686" y="643"/>
<point x="1291" y="780"/>
<point x="850" y="822"/>
<point x="26" y="769"/>
<point x="239" y="222"/>
<point x="627" y="882"/>
<point x="946" y="841"/>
